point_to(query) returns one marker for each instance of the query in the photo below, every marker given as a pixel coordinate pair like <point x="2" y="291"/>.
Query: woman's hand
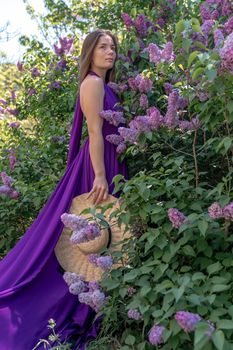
<point x="99" y="190"/>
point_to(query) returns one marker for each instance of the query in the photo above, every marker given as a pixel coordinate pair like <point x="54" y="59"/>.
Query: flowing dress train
<point x="32" y="289"/>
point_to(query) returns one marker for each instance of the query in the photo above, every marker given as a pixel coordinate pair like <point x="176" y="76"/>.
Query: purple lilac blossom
<point x="12" y="160"/>
<point x="19" y="66"/>
<point x="72" y="277"/>
<point x="134" y="314"/>
<point x="226" y="54"/>
<point x="182" y="103"/>
<point x="227" y="8"/>
<point x="187" y="320"/>
<point x="15" y="125"/>
<point x="156" y="335"/>
<point x="121" y="148"/>
<point x="6" y="190"/>
<point x="31" y="91"/>
<point x="210" y="330"/>
<point x="105" y="262"/>
<point x="123" y="87"/>
<point x="6" y="179"/>
<point x="4" y="102"/>
<point x="93" y="285"/>
<point x="128" y="134"/>
<point x="176" y="217"/>
<point x="93" y="258"/>
<point x="35" y="72"/>
<point x="114" y="87"/>
<point x="55" y="85"/>
<point x="228" y="212"/>
<point x="141" y="25"/>
<point x="13" y="111"/>
<point x="171" y="117"/>
<point x="155" y="119"/>
<point x="143" y="101"/>
<point x="168" y="88"/>
<point x="94" y="299"/>
<point x="62" y="64"/>
<point x="131" y="291"/>
<point x="91" y="231"/>
<point x="140" y="123"/>
<point x="167" y="54"/>
<point x="14" y="194"/>
<point x="161" y="22"/>
<point x="77" y="287"/>
<point x="112" y="117"/>
<point x="155" y="54"/>
<point x="13" y="95"/>
<point x="143" y="84"/>
<point x="73" y="222"/>
<point x="205" y="12"/>
<point x="127" y="20"/>
<point x="114" y="139"/>
<point x="218" y="38"/>
<point x="228" y="26"/>
<point x="65" y="46"/>
<point x="207" y="26"/>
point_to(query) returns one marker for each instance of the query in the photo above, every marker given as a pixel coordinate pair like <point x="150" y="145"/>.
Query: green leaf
<point x="130" y="276"/>
<point x="130" y="340"/>
<point x="230" y="106"/>
<point x="192" y="57"/>
<point x="225" y="324"/>
<point x="179" y="27"/>
<point x="197" y="72"/>
<point x="214" y="268"/>
<point x="219" y="288"/>
<point x="203" y="226"/>
<point x="188" y="250"/>
<point x="218" y="339"/>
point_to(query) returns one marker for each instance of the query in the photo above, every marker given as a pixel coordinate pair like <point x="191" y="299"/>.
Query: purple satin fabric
<point x="32" y="289"/>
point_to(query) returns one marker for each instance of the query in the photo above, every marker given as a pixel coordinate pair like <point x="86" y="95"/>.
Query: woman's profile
<point x="32" y="288"/>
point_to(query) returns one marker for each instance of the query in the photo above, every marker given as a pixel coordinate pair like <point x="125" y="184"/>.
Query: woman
<point x="32" y="289"/>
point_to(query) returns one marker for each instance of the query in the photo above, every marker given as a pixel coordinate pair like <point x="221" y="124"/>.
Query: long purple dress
<point x="32" y="289"/>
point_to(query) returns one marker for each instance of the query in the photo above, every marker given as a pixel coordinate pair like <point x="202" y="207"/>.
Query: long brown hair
<point x="88" y="47"/>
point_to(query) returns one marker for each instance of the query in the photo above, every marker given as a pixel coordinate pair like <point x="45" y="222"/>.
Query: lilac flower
<point x="195" y="123"/>
<point x="185" y="125"/>
<point x="228" y="212"/>
<point x="105" y="262"/>
<point x="20" y="66"/>
<point x="35" y="72"/>
<point x="168" y="88"/>
<point x="62" y="64"/>
<point x="123" y="58"/>
<point x="143" y="101"/>
<point x="55" y="85"/>
<point x="94" y="299"/>
<point x="227" y="8"/>
<point x="77" y="287"/>
<point x="13" y="111"/>
<point x="228" y="26"/>
<point x="31" y="91"/>
<point x="171" y="118"/>
<point x="65" y="46"/>
<point x="121" y="148"/>
<point x="127" y="20"/>
<point x="12" y="159"/>
<point x="4" y="102"/>
<point x="176" y="217"/>
<point x="156" y="335"/>
<point x="123" y="87"/>
<point x="187" y="320"/>
<point x="143" y="84"/>
<point x="140" y="123"/>
<point x="114" y="139"/>
<point x="205" y="12"/>
<point x="58" y="138"/>
<point x="182" y="103"/>
<point x="131" y="291"/>
<point x="155" y="54"/>
<point x="128" y="134"/>
<point x="207" y="26"/>
<point x="161" y="22"/>
<point x="167" y="53"/>
<point x="6" y="179"/>
<point x="226" y="54"/>
<point x="112" y="117"/>
<point x="14" y="125"/>
<point x="91" y="231"/>
<point x="215" y="14"/>
<point x="72" y="277"/>
<point x="5" y="189"/>
<point x="73" y="222"/>
<point x="114" y="87"/>
<point x="134" y="314"/>
<point x="155" y="119"/>
<point x="141" y="25"/>
<point x="93" y="285"/>
<point x="14" y="194"/>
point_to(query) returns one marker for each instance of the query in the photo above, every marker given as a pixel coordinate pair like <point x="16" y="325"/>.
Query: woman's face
<point x="104" y="54"/>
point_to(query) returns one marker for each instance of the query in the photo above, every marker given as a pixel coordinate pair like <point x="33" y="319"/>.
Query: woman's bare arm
<point x="91" y="97"/>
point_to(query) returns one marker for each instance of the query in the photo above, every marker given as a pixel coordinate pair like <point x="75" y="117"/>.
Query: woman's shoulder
<point x="91" y="82"/>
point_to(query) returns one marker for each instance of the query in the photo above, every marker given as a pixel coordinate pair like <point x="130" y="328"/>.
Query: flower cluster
<point x="156" y="335"/>
<point x="65" y="46"/>
<point x="75" y="282"/>
<point x="176" y="217"/>
<point x="55" y="85"/>
<point x="7" y="188"/>
<point x="143" y="101"/>
<point x="156" y="55"/>
<point x="105" y="262"/>
<point x="228" y="26"/>
<point x="95" y="298"/>
<point x="19" y="66"/>
<point x="218" y="38"/>
<point x="131" y="291"/>
<point x="14" y="125"/>
<point x="213" y="9"/>
<point x="140" y="83"/>
<point x="187" y="320"/>
<point x="58" y="138"/>
<point x="83" y="231"/>
<point x="12" y="159"/>
<point x="141" y="23"/>
<point x="134" y="314"/>
<point x="35" y="72"/>
<point x="113" y="117"/>
<point x="216" y="211"/>
<point x="226" y="54"/>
